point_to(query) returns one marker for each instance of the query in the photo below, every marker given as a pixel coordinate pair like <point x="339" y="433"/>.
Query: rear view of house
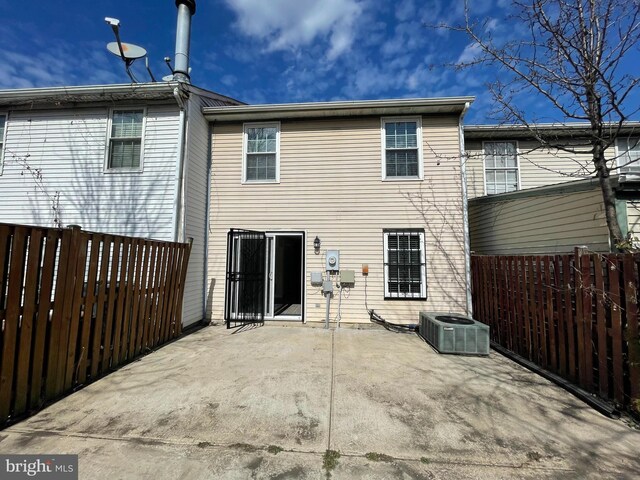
<point x="119" y="159"/>
<point x="367" y="195"/>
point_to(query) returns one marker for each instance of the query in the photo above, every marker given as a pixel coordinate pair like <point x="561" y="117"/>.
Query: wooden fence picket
<point x="575" y="315"/>
<point x="75" y="305"/>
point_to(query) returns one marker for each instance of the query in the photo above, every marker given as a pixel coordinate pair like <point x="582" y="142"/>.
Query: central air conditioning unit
<point x="454" y="333"/>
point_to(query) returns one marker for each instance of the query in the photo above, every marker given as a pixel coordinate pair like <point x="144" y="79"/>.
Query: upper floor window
<point x="404" y="264"/>
<point x="501" y="167"/>
<point x="629" y="154"/>
<point x="402" y="148"/>
<point x="3" y="123"/>
<point x="261" y="153"/>
<point x="125" y="139"/>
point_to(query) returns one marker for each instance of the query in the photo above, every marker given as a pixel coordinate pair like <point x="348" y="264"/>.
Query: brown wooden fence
<point x="574" y="315"/>
<point x="74" y="305"/>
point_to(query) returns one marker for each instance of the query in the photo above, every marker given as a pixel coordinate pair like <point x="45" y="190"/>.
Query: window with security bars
<point x="629" y="155"/>
<point x="125" y="139"/>
<point x="404" y="264"/>
<point x="261" y="153"/>
<point x="402" y="149"/>
<point x="501" y="167"/>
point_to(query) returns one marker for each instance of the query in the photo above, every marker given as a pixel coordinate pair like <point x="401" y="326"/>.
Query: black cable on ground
<point x="378" y="320"/>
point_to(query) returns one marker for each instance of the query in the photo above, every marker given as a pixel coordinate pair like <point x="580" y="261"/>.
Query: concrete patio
<point x="269" y="402"/>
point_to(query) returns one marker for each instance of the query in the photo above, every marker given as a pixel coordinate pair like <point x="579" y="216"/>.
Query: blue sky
<point x="260" y="51"/>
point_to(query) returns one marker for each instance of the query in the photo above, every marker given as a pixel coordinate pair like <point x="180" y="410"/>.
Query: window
<point x="125" y="140"/>
<point x="404" y="264"/>
<point x="3" y="123"/>
<point x="501" y="167"/>
<point x="629" y="153"/>
<point x="261" y="153"/>
<point x="402" y="148"/>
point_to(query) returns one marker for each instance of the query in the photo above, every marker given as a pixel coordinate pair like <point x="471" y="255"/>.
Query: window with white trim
<point x="501" y="167"/>
<point x="261" y="153"/>
<point x="401" y="142"/>
<point x="405" y="275"/>
<point x="125" y="139"/>
<point x="629" y="155"/>
<point x="3" y="124"/>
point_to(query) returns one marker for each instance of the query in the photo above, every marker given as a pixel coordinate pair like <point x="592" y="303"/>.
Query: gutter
<point x="338" y="109"/>
<point x="179" y="203"/>
<point x="465" y="212"/>
<point x="207" y="221"/>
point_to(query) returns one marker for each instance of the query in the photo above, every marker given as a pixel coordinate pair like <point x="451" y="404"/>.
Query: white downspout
<point x="465" y="212"/>
<point x="179" y="203"/>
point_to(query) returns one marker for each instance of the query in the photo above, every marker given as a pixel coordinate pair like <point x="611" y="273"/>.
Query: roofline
<point x="486" y="131"/>
<point x="571" y="186"/>
<point x="41" y="92"/>
<point x="26" y="94"/>
<point x="339" y="108"/>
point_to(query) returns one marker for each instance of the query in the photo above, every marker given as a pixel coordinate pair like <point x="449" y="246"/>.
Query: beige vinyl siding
<point x="196" y="210"/>
<point x="537" y="167"/>
<point x="331" y="187"/>
<point x="633" y="217"/>
<point x="538" y="224"/>
<point x="68" y="148"/>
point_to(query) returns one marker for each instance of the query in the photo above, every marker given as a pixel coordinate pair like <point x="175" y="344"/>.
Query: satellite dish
<point x="129" y="50"/>
<point x="167" y="78"/>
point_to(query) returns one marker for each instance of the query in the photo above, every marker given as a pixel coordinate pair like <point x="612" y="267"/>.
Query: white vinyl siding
<point x="260" y="158"/>
<point x="126" y="130"/>
<point x="404" y="268"/>
<point x="331" y="188"/>
<point x="402" y="148"/>
<point x="542" y="224"/>
<point x="196" y="190"/>
<point x="67" y="147"/>
<point x="501" y="167"/>
<point x="628" y="155"/>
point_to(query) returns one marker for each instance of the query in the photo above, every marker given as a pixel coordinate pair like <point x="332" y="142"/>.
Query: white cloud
<point x="291" y="24"/>
<point x="405" y="10"/>
<point x="469" y="54"/>
<point x="36" y="62"/>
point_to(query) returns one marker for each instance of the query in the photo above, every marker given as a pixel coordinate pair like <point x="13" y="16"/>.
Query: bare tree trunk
<point x="608" y="196"/>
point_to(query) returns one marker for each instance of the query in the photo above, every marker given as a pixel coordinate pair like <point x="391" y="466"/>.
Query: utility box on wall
<point x="333" y="260"/>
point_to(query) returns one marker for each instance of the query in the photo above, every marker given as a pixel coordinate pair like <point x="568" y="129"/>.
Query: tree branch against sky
<point x="572" y="55"/>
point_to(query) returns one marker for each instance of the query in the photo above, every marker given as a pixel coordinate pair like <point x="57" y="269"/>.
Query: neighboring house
<point x="528" y="199"/>
<point x="121" y="159"/>
<point x="380" y="181"/>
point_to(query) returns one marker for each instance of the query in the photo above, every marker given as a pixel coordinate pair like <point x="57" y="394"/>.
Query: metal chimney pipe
<point x="186" y="9"/>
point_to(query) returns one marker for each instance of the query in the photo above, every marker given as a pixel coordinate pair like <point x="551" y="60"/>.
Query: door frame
<point x="303" y="303"/>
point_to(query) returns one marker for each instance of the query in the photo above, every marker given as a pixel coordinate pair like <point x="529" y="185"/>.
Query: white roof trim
<point x="402" y="106"/>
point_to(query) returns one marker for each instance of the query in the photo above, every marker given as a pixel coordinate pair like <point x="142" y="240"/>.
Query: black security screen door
<point x="246" y="262"/>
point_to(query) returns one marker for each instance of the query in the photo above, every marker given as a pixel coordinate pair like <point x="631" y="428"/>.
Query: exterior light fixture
<point x="316" y="245"/>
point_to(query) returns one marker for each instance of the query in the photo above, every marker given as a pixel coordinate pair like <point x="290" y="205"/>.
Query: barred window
<point x="404" y="264"/>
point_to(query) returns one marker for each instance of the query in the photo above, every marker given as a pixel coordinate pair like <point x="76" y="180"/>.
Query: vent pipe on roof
<point x="186" y="9"/>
